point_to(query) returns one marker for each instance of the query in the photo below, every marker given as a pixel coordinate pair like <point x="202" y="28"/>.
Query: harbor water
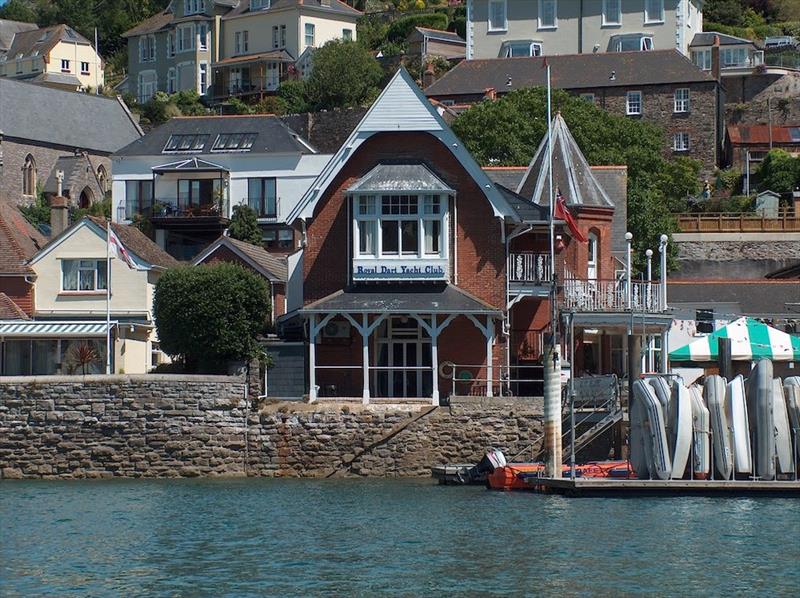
<point x="255" y="537"/>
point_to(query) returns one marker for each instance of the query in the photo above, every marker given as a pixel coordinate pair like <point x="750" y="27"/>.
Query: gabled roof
<point x="569" y="71"/>
<point x="400" y="107"/>
<point x="8" y="29"/>
<point x="272" y="267"/>
<point x="400" y="178"/>
<point x="336" y="7"/>
<point x="62" y="79"/>
<point x="57" y="117"/>
<point x="272" y="135"/>
<point x="706" y="38"/>
<point x="146" y="254"/>
<point x="157" y="22"/>
<point x="44" y="40"/>
<point x="572" y="174"/>
<point x="73" y="168"/>
<point x="190" y="165"/>
<point x="10" y="310"/>
<point x="19" y="241"/>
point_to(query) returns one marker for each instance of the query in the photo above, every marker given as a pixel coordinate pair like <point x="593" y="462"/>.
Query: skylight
<point x="185" y="143"/>
<point x="234" y="142"/>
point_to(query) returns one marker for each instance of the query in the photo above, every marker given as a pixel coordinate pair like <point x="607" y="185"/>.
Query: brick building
<point x="419" y="277"/>
<point x="19" y="241"/>
<point x="661" y="86"/>
<point x="44" y="130"/>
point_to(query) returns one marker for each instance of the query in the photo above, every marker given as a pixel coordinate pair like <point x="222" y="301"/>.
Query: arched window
<point x="86" y="199"/>
<point x="102" y="177"/>
<point x="29" y="176"/>
<point x="593" y="257"/>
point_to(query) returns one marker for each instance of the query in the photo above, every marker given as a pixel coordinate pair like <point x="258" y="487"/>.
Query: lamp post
<point x="662" y="249"/>
<point x="648" y="365"/>
<point x="628" y="240"/>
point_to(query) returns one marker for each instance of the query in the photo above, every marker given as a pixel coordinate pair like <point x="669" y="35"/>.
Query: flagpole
<point x="108" y="298"/>
<point x="552" y="213"/>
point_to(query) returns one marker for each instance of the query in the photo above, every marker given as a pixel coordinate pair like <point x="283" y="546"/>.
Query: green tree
<point x="244" y="225"/>
<point x="19" y="10"/>
<point x="210" y="315"/>
<point x="779" y="172"/>
<point x="295" y="96"/>
<point x="402" y="27"/>
<point x="344" y="74"/>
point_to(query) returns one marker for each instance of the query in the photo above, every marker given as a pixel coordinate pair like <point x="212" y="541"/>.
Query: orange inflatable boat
<point x="516" y="476"/>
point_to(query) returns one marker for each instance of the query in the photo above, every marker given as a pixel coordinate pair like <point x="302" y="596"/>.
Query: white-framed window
<point x="400" y="225"/>
<point x="682" y="99"/>
<point x="525" y="47"/>
<point x="347" y="35"/>
<point x="241" y="42"/>
<point x="653" y="11"/>
<point x="170" y="44"/>
<point x="202" y="78"/>
<point x="84" y="275"/>
<point x="592" y="258"/>
<point x="147" y="48"/>
<point x="588" y="97"/>
<point x="172" y="80"/>
<point x="202" y="36"/>
<point x="612" y="13"/>
<point x="259" y="4"/>
<point x="262" y="197"/>
<point x="497" y="15"/>
<point x="192" y="7"/>
<point x="635" y="42"/>
<point x="732" y="57"/>
<point x="148" y="85"/>
<point x="702" y="59"/>
<point x="680" y="142"/>
<point x="65" y="65"/>
<point x="84" y="68"/>
<point x="310" y="30"/>
<point x="278" y="36"/>
<point x="185" y="38"/>
<point x="548" y="14"/>
<point x="633" y="103"/>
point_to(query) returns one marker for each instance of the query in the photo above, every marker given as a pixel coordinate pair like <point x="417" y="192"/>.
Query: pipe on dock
<point x="552" y="412"/>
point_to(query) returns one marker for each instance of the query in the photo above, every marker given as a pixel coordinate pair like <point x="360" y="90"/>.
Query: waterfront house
<point x="44" y="131"/>
<point x="67" y="333"/>
<point x="661" y="87"/>
<point x="419" y="277"/>
<point x="56" y="56"/>
<point x="746" y="146"/>
<point x="186" y="176"/>
<point x="511" y="28"/>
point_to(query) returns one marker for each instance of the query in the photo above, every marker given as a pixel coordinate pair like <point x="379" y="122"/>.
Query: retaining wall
<point x="175" y="426"/>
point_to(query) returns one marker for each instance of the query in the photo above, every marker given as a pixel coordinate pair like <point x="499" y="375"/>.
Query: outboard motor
<point x="491" y="461"/>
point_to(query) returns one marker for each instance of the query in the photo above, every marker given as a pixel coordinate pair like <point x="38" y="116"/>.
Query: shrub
<point x="399" y="30"/>
<point x="244" y="225"/>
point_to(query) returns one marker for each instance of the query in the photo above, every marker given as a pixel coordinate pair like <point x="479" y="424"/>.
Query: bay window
<point x="84" y="275"/>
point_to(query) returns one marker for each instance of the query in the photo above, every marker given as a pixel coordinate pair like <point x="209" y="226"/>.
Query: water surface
<point x="367" y="537"/>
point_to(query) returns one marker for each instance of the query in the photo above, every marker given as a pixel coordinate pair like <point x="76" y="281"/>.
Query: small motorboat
<point x="783" y="435"/>
<point x="639" y="449"/>
<point x="660" y="463"/>
<point x="714" y="391"/>
<point x="681" y="427"/>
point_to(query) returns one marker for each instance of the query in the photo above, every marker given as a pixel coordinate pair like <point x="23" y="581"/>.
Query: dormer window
<point x="192" y="7"/>
<point x="185" y="143"/>
<point x="634" y="42"/>
<point x="259" y="4"/>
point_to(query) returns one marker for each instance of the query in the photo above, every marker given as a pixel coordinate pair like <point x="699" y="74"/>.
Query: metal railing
<point x="529" y="267"/>
<point x="612" y="295"/>
<point x="788" y="59"/>
<point x="245" y="87"/>
<point x="783" y="219"/>
<point x="165" y="207"/>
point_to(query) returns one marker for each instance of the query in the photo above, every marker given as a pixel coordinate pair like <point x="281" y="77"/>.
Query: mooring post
<point x="552" y="411"/>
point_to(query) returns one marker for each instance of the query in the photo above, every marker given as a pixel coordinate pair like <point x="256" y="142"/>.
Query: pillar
<point x="435" y="361"/>
<point x="365" y="332"/>
<point x="489" y="360"/>
<point x="312" y="359"/>
<point x="552" y="412"/>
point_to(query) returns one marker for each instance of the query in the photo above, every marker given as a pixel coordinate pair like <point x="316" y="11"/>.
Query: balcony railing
<point x="611" y="296"/>
<point x="165" y="207"/>
<point x="254" y="85"/>
<point x="529" y="268"/>
<point x="783" y="219"/>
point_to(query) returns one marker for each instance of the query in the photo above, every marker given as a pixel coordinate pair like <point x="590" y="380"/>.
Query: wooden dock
<point x="608" y="487"/>
<point x="455" y="475"/>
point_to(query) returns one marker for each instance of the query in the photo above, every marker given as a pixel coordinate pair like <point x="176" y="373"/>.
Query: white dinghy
<point x="680" y="417"/>
<point x="640" y="451"/>
<point x="736" y="414"/>
<point x="793" y="407"/>
<point x="660" y="464"/>
<point x="714" y="391"/>
<point x="762" y="422"/>
<point x="701" y="432"/>
<point x="664" y="393"/>
<point x="783" y="435"/>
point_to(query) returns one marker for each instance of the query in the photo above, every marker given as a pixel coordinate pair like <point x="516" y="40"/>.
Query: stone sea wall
<point x="174" y="426"/>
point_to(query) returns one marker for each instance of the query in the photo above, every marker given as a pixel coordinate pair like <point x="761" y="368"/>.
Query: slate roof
<point x="569" y="71"/>
<point x="271" y="266"/>
<point x="336" y="6"/>
<point x="525" y="209"/>
<point x="400" y="177"/>
<point x="137" y="243"/>
<point x="44" y="40"/>
<point x="65" y="118"/>
<point x="10" y="310"/>
<point x="706" y="38"/>
<point x="762" y="298"/>
<point x="423" y="299"/>
<point x="157" y="22"/>
<point x="508" y="176"/>
<point x="71" y="166"/>
<point x="19" y="240"/>
<point x="273" y="135"/>
<point x="8" y="29"/>
<point x="57" y="79"/>
<point x="572" y="174"/>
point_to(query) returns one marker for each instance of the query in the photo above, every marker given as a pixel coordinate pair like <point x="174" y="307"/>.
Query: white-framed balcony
<point x="612" y="296"/>
<point x="529" y="273"/>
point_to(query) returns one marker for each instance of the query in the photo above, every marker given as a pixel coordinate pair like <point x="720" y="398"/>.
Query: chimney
<point x="429" y="76"/>
<point x="490" y="93"/>
<point x="715" y="64"/>
<point x="59" y="215"/>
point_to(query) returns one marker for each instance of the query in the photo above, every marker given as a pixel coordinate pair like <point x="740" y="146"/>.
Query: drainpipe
<point x="580" y="28"/>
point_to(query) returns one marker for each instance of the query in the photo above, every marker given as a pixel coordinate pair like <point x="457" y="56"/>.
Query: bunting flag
<point x="118" y="250"/>
<point x="562" y="213"/>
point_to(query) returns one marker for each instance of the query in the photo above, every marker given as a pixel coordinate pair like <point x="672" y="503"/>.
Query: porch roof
<point x="44" y="328"/>
<point x="402" y="299"/>
<point x="651" y="321"/>
<point x="400" y="177"/>
<point x="274" y="56"/>
<point x="189" y="165"/>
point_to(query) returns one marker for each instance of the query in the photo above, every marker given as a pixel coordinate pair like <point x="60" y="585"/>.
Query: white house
<point x="187" y="175"/>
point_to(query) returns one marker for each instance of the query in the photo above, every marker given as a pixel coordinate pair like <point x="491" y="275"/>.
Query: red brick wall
<point x="481" y="267"/>
<point x="19" y="291"/>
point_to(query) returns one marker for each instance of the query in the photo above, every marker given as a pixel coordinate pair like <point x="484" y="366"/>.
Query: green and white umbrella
<point x="750" y="340"/>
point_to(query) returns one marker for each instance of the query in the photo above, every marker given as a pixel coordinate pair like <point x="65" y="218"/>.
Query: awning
<point x="275" y="56"/>
<point x="400" y="178"/>
<point x="397" y="299"/>
<point x="190" y="165"/>
<point x="750" y="340"/>
<point x="53" y="329"/>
